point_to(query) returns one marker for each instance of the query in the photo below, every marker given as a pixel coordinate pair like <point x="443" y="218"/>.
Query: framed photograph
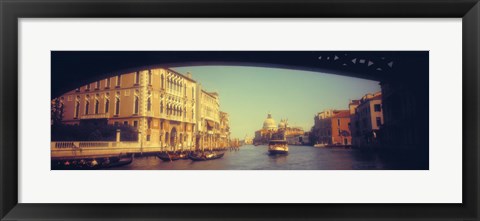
<point x="239" y="110"/>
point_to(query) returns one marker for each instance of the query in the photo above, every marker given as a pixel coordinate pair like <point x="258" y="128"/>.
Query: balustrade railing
<point x="93" y="144"/>
<point x="64" y="144"/>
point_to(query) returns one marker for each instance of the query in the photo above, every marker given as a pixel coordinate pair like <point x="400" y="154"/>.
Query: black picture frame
<point x="11" y="11"/>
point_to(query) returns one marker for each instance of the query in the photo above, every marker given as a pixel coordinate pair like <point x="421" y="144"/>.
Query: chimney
<point x="189" y="75"/>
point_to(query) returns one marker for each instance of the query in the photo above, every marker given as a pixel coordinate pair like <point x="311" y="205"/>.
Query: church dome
<point x="269" y="123"/>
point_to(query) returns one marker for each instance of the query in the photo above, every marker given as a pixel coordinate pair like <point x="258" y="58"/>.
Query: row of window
<point x="175" y="111"/>
<point x="96" y="107"/>
<point x="107" y="84"/>
<point x="376" y="108"/>
<point x="378" y="122"/>
<point x="172" y="84"/>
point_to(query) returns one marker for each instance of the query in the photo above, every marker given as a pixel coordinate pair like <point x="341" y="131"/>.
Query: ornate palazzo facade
<point x="168" y="109"/>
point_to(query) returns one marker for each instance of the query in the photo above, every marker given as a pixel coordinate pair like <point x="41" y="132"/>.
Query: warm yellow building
<point x="224" y="139"/>
<point x="164" y="106"/>
<point x="208" y="119"/>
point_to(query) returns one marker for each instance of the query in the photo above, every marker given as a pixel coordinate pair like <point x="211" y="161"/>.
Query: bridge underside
<point x="71" y="69"/>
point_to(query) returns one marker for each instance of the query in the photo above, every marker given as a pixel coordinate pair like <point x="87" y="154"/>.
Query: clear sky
<point x="248" y="94"/>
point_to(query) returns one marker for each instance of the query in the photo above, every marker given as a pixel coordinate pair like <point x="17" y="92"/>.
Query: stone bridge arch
<point x="74" y="69"/>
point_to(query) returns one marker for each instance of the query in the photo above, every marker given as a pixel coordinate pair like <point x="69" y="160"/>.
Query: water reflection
<point x="299" y="158"/>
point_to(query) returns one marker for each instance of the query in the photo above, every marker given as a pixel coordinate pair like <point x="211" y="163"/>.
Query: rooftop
<point x="342" y="114"/>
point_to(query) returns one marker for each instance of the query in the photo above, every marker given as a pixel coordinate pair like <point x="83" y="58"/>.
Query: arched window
<point x="135" y="108"/>
<point x="96" y="106"/>
<point x="77" y="107"/>
<point x="161" y="106"/>
<point x="161" y="85"/>
<point x="149" y="77"/>
<point x="87" y="106"/>
<point x="107" y="104"/>
<point x="117" y="106"/>
<point x="119" y="80"/>
<point x="107" y="83"/>
<point x="149" y="104"/>
<point x="137" y="77"/>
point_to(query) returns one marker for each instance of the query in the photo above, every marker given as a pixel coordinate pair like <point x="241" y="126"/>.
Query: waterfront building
<point x="163" y="105"/>
<point x="293" y="135"/>
<point x="263" y="135"/>
<point x="224" y="140"/>
<point x="270" y="131"/>
<point x="305" y="138"/>
<point x="208" y="119"/>
<point x="332" y="127"/>
<point x="247" y="140"/>
<point x="366" y="120"/>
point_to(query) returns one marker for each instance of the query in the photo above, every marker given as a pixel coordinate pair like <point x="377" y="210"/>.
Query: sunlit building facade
<point x="224" y="140"/>
<point x="208" y="119"/>
<point x="332" y="127"/>
<point x="168" y="109"/>
<point x="366" y="120"/>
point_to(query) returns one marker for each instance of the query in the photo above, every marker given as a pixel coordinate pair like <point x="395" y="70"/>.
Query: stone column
<point x="167" y="140"/>
<point x="118" y="135"/>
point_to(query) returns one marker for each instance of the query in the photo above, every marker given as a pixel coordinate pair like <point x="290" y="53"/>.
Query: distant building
<point x="332" y="127"/>
<point x="366" y="120"/>
<point x="271" y="131"/>
<point x="263" y="135"/>
<point x="224" y="140"/>
<point x="293" y="135"/>
<point x="248" y="140"/>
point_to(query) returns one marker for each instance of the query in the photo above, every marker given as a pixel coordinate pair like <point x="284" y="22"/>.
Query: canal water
<point x="251" y="157"/>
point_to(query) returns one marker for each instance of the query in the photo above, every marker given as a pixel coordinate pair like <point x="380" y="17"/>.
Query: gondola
<point x="172" y="156"/>
<point x="204" y="156"/>
<point x="93" y="164"/>
<point x="121" y="162"/>
<point x="168" y="156"/>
